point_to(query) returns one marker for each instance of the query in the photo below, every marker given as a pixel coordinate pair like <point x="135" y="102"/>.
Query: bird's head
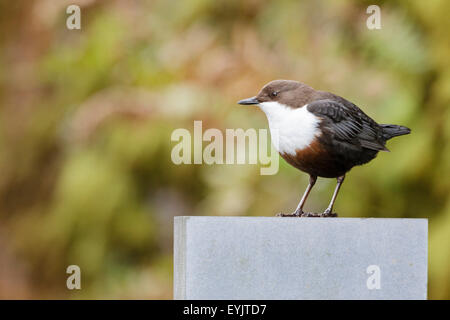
<point x="291" y="93"/>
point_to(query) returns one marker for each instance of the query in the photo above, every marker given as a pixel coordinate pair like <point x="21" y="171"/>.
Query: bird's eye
<point x="274" y="93"/>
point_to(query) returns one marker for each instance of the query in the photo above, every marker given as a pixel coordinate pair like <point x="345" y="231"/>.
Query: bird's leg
<point x="329" y="210"/>
<point x="299" y="211"/>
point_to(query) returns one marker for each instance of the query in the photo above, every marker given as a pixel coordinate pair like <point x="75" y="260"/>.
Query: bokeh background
<point x="86" y="117"/>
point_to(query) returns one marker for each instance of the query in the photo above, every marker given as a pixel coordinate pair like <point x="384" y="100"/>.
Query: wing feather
<point x="348" y="123"/>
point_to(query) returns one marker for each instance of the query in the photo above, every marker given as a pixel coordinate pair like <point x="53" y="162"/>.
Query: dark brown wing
<point x="348" y="123"/>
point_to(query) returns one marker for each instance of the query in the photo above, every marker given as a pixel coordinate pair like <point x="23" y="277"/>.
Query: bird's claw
<point x="308" y="215"/>
<point x="328" y="214"/>
<point x="293" y="214"/>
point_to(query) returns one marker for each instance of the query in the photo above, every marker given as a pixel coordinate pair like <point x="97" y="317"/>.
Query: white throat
<point x="294" y="129"/>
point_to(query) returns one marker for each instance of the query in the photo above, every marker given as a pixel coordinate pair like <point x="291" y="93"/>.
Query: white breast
<point x="294" y="129"/>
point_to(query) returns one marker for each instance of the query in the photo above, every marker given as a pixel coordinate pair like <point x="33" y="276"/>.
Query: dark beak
<point x="249" y="101"/>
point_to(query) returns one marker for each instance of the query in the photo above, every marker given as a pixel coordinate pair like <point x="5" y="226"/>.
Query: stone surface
<point x="300" y="258"/>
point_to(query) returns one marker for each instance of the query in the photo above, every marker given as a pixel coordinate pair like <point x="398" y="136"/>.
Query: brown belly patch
<point x="315" y="160"/>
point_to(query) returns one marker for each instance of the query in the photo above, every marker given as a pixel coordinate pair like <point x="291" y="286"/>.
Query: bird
<point x="320" y="133"/>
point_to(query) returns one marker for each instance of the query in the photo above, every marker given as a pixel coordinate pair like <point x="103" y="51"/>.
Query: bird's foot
<point x="293" y="214"/>
<point x="328" y="214"/>
<point x="308" y="215"/>
<point x="311" y="215"/>
<point x="300" y="214"/>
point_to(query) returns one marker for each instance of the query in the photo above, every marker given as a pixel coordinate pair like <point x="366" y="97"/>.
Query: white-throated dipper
<point x="320" y="133"/>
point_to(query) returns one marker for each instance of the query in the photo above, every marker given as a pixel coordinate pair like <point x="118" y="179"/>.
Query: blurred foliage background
<point x="86" y="118"/>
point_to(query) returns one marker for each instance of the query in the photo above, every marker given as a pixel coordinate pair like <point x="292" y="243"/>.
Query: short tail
<point x="393" y="130"/>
